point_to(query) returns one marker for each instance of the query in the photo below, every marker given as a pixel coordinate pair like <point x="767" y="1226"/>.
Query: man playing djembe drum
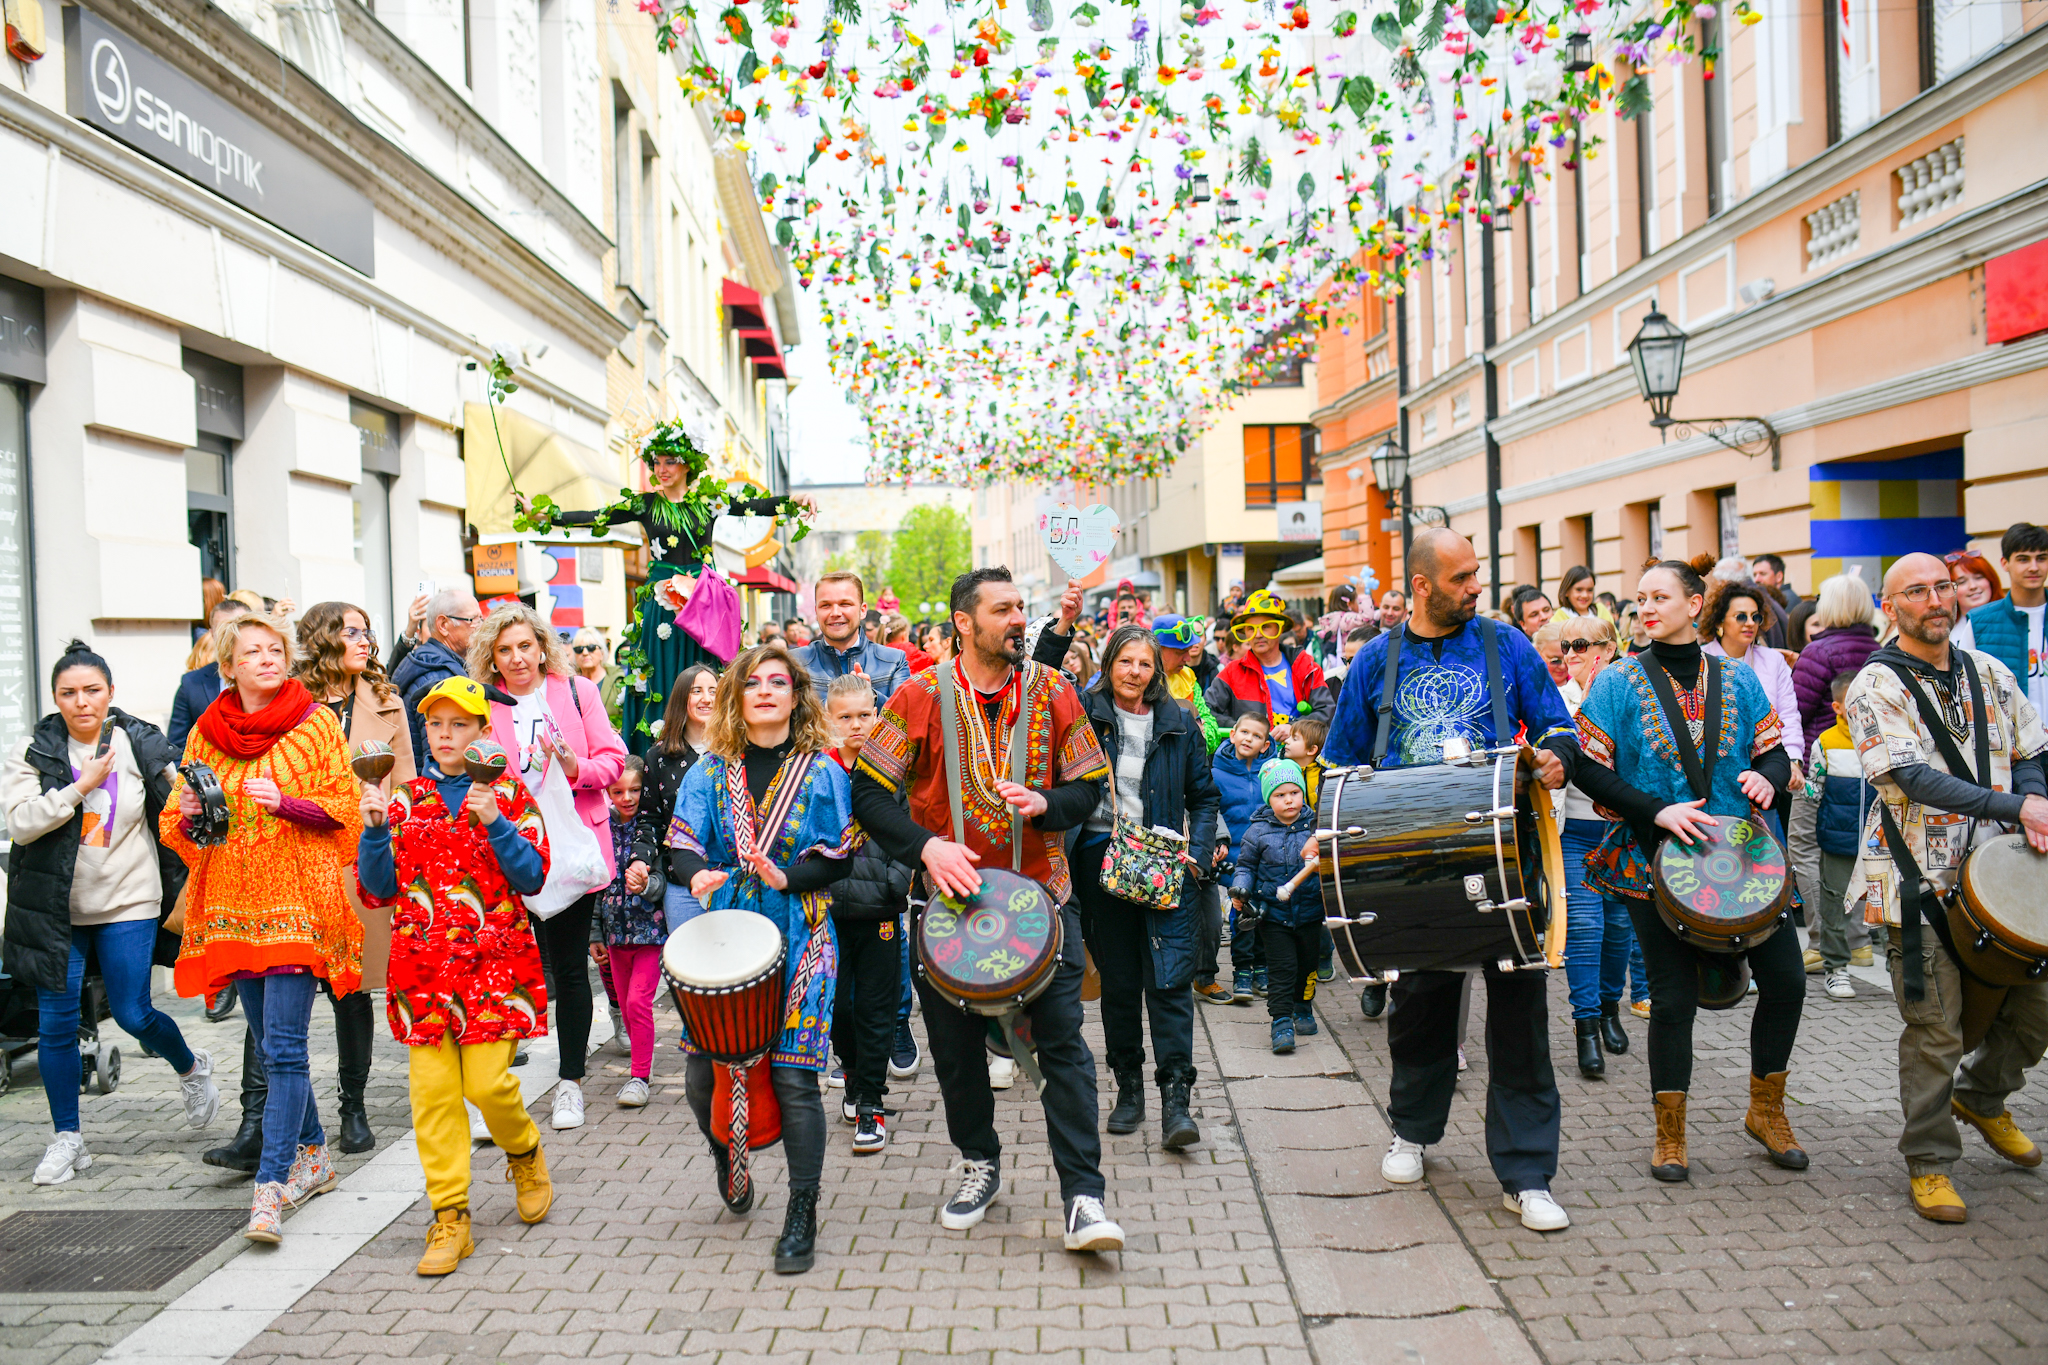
<point x="999" y="691"/>
<point x="1471" y="683"/>
<point x="1919" y="712"/>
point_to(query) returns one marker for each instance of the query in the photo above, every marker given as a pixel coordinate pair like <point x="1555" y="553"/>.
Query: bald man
<point x="1442" y="678"/>
<point x="1938" y="789"/>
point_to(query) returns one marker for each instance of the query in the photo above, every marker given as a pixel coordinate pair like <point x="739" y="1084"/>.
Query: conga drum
<point x="724" y="971"/>
<point x="1726" y="892"/>
<point x="993" y="954"/>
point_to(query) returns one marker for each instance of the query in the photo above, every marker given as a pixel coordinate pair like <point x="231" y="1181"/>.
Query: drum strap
<point x="1915" y="902"/>
<point x="1699" y="773"/>
<point x="1489" y="640"/>
<point x="949" y="708"/>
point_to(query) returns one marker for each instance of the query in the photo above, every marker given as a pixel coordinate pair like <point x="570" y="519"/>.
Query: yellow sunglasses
<point x="1253" y="629"/>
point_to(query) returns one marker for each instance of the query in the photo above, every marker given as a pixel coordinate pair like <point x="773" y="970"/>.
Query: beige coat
<point x="375" y="720"/>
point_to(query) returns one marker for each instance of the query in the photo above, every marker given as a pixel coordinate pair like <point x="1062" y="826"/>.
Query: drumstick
<point x="1287" y="891"/>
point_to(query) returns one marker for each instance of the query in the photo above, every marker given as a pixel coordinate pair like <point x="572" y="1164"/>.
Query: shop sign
<point x="1301" y="521"/>
<point x="122" y="88"/>
<point x="496" y="568"/>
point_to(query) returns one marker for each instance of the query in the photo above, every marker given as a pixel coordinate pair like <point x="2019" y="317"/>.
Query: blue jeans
<point x="1599" y="944"/>
<point x="279" y="1009"/>
<point x="678" y="906"/>
<point x="123" y="951"/>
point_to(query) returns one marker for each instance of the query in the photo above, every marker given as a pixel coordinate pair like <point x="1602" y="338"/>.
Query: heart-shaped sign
<point x="1079" y="539"/>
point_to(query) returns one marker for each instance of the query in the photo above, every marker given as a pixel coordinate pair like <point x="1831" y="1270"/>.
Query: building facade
<point x="1839" y="214"/>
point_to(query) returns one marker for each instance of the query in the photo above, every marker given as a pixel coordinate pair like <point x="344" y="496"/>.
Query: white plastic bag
<point x="576" y="865"/>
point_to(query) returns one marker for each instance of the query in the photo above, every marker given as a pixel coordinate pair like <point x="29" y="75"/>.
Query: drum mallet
<point x="1287" y="892"/>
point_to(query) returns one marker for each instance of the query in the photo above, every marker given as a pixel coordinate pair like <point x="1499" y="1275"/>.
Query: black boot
<point x="352" y="1023"/>
<point x="1612" y="1035"/>
<point x="246" y="1149"/>
<point x="721" y="1161"/>
<point x="1130" y="1100"/>
<point x="1373" y="1001"/>
<point x="1591" y="1064"/>
<point x="1177" y="1129"/>
<point x="794" y="1250"/>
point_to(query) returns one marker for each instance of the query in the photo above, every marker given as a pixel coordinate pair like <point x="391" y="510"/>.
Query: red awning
<point x="745" y="305"/>
<point x="767" y="580"/>
<point x="759" y="343"/>
<point x="768" y="367"/>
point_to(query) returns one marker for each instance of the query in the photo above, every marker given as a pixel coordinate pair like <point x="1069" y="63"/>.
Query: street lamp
<point x="1228" y="210"/>
<point x="1578" y="52"/>
<point x="1201" y="185"/>
<point x="1658" y="356"/>
<point x="1390" y="472"/>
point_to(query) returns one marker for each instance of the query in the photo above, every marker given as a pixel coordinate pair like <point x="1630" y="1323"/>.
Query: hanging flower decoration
<point x="1055" y="245"/>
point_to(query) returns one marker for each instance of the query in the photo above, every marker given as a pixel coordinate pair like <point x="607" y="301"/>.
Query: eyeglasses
<point x="1746" y="618"/>
<point x="1917" y="594"/>
<point x="353" y="634"/>
<point x="463" y="620"/>
<point x="1252" y="630"/>
<point x="588" y="649"/>
<point x="774" y="683"/>
<point x="1180" y="635"/>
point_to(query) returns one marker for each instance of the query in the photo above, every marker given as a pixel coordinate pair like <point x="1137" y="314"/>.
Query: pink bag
<point x="712" y="616"/>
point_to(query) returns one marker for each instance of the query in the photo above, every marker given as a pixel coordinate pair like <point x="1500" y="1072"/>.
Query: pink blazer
<point x="600" y="753"/>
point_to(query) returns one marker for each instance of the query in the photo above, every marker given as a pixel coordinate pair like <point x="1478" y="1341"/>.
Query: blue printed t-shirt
<point x="1280" y="685"/>
<point x="1441" y="694"/>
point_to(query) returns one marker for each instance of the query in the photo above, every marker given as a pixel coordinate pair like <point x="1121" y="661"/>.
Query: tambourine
<point x="210" y="826"/>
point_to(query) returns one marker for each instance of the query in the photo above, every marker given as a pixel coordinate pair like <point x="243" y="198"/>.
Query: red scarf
<point x="245" y="735"/>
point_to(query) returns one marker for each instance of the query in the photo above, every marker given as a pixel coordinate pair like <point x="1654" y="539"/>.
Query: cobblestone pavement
<point x="1275" y="1239"/>
<point x="145" y="1157"/>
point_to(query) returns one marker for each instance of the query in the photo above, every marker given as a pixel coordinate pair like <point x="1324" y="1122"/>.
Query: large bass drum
<point x="1455" y="865"/>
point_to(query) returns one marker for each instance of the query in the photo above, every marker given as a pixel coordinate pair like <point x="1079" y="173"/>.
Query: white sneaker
<point x="1839" y="986"/>
<point x="479" y="1131"/>
<point x="633" y="1094"/>
<point x="1089" y="1228"/>
<point x="1002" y="1073"/>
<point x="1540" y="1213"/>
<point x="1463" y="1065"/>
<point x="1402" y="1165"/>
<point x="568" y="1105"/>
<point x="63" y="1159"/>
<point x="849" y="1111"/>
<point x="202" y="1096"/>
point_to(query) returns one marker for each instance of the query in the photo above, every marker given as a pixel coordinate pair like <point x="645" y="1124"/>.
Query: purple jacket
<point x="1841" y="649"/>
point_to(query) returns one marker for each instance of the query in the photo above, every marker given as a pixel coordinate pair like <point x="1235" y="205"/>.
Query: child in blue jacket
<point x="1280" y="846"/>
<point x="1235" y="771"/>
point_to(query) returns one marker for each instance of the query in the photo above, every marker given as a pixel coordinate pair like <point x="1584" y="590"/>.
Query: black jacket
<point x="415" y="676"/>
<point x="876" y="887"/>
<point x="658" y="791"/>
<point x="1178" y="794"/>
<point x="196" y="692"/>
<point x="36" y="945"/>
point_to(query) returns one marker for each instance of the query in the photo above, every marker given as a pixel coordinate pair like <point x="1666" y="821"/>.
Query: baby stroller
<point x="99" y="1062"/>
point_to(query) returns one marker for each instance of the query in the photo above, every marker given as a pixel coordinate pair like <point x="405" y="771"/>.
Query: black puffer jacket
<point x="36" y="946"/>
<point x="876" y="887"/>
<point x="658" y="791"/>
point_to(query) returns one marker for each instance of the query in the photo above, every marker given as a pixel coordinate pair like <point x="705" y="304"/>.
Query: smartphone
<point x="424" y="588"/>
<point x="106" y="739"/>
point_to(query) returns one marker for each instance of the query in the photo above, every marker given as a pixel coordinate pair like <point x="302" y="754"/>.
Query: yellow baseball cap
<point x="466" y="693"/>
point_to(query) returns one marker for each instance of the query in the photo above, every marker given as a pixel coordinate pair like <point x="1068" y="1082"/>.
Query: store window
<point x="1277" y="463"/>
<point x="1730" y="523"/>
<point x="209" y="465"/>
<point x="377" y="434"/>
<point x="17" y="597"/>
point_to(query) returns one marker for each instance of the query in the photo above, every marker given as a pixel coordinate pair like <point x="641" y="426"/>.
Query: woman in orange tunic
<point x="264" y="908"/>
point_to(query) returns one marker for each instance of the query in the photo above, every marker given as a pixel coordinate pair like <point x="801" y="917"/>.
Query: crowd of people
<point x="322" y="820"/>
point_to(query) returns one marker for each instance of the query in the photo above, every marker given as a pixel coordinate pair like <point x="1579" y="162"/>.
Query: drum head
<point x="722" y="948"/>
<point x="982" y="947"/>
<point x="1733" y="872"/>
<point x="2002" y="880"/>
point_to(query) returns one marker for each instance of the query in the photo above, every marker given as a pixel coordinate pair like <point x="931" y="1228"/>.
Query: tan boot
<point x="448" y="1241"/>
<point x="1936" y="1200"/>
<point x="529" y="1174"/>
<point x="1767" y="1122"/>
<point x="2002" y="1133"/>
<point x="1667" y="1162"/>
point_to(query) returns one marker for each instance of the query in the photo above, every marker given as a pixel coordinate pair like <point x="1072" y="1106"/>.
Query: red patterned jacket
<point x="463" y="960"/>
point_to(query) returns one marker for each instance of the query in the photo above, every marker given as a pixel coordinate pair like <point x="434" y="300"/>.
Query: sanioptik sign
<point x="122" y="88"/>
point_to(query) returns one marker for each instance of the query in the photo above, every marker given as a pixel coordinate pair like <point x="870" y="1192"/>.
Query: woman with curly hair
<point x="555" y="732"/>
<point x="264" y="909"/>
<point x="765" y="824"/>
<point x="676" y="514"/>
<point x="1737" y="615"/>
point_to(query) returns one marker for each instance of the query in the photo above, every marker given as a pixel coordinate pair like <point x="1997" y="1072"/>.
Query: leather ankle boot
<point x="352" y="1025"/>
<point x="795" y="1250"/>
<point x="1591" y="1064"/>
<point x="1129" y="1112"/>
<point x="245" y="1149"/>
<point x="1667" y="1162"/>
<point x="1177" y="1130"/>
<point x="1612" y="1035"/>
<point x="1767" y="1123"/>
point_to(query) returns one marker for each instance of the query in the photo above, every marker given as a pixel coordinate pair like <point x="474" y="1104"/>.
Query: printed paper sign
<point x="1079" y="541"/>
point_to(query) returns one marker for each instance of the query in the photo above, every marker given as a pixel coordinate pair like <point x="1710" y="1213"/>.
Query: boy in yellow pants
<point x="453" y="858"/>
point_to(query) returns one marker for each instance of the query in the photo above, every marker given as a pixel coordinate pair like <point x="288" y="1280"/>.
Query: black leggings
<point x="564" y="943"/>
<point x="1780" y="976"/>
<point x="803" y="1114"/>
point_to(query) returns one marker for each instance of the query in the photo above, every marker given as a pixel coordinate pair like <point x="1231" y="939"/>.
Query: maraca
<point x="373" y="761"/>
<point x="484" y="761"/>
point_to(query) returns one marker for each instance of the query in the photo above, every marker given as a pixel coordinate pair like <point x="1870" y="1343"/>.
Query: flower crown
<point x="677" y="441"/>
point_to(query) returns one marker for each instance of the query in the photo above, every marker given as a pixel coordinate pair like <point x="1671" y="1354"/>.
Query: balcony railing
<point x="1379" y="361"/>
<point x="1931" y="183"/>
